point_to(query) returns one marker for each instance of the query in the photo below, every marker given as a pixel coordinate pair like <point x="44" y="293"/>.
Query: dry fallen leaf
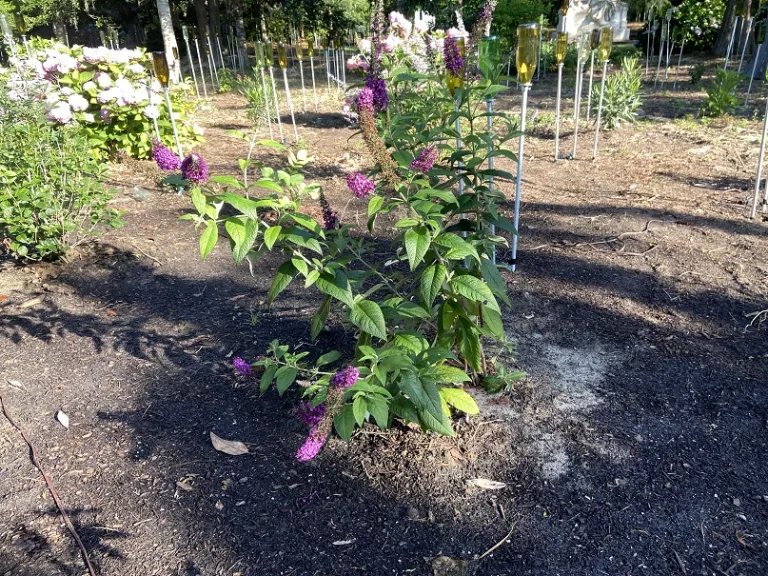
<point x="32" y="302"/>
<point x="183" y="484"/>
<point x="16" y="384"/>
<point x="63" y="419"/>
<point x="231" y="447"/>
<point x="486" y="484"/>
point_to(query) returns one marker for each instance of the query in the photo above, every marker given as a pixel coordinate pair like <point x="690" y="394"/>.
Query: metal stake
<point x="520" y="152"/>
<point x="648" y="39"/>
<point x="314" y="88"/>
<point x="746" y="41"/>
<point x="173" y="122"/>
<point x="600" y="110"/>
<point x="221" y="54"/>
<point x="277" y="106"/>
<point x="212" y="62"/>
<point x="290" y="103"/>
<point x="328" y="69"/>
<point x="303" y="90"/>
<point x="489" y="103"/>
<point x="760" y="164"/>
<point x="589" y="92"/>
<point x="154" y="120"/>
<point x="752" y="76"/>
<point x="577" y="104"/>
<point x="192" y="66"/>
<point x="557" y="110"/>
<point x="661" y="54"/>
<point x="266" y="102"/>
<point x="730" y="44"/>
<point x="679" y="60"/>
<point x="202" y="73"/>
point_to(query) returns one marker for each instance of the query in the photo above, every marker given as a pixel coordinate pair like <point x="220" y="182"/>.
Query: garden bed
<point x="636" y="445"/>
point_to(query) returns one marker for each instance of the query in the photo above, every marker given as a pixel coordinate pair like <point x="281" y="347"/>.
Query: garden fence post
<point x="328" y="70"/>
<point x="664" y="34"/>
<point x="221" y="54"/>
<point x="600" y="110"/>
<point x="752" y="76"/>
<point x="649" y="15"/>
<point x="265" y="90"/>
<point x="212" y="64"/>
<point x="300" y="57"/>
<point x="760" y="162"/>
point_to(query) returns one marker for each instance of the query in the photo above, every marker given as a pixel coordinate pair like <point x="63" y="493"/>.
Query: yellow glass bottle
<point x="564" y="7"/>
<point x="282" y="55"/>
<point x="606" y="43"/>
<point x="160" y="65"/>
<point x="456" y="80"/>
<point x="20" y="24"/>
<point x="561" y="47"/>
<point x="527" y="51"/>
<point x="311" y="48"/>
<point x="299" y="47"/>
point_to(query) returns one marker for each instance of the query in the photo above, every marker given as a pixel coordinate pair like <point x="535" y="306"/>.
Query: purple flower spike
<point x="423" y="162"/>
<point x="194" y="169"/>
<point x="379" y="89"/>
<point x="359" y="185"/>
<point x="164" y="156"/>
<point x="365" y="99"/>
<point x="311" y="415"/>
<point x="241" y="366"/>
<point x="345" y="378"/>
<point x="452" y="56"/>
<point x="312" y="445"/>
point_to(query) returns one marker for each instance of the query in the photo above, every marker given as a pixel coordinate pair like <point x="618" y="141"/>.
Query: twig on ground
<point x="680" y="563"/>
<point x="54" y="494"/>
<point x="760" y="316"/>
<point x="148" y="256"/>
<point x="499" y="543"/>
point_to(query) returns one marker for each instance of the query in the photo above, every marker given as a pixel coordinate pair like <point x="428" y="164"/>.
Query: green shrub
<point x="253" y="91"/>
<point x="697" y="72"/>
<point x="622" y="94"/>
<point x="226" y="80"/>
<point x="622" y="51"/>
<point x="511" y="13"/>
<point x="51" y="191"/>
<point x="699" y="20"/>
<point x="549" y="63"/>
<point x="721" y="95"/>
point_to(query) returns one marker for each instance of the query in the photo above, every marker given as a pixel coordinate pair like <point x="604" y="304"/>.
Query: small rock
<point x="413" y="513"/>
<point x="140" y="194"/>
<point x="736" y="502"/>
<point x="444" y="566"/>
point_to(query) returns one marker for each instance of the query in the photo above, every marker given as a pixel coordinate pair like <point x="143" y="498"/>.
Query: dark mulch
<point x="636" y="446"/>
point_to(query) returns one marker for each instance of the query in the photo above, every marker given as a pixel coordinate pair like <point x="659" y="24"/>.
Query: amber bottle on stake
<point x="527" y="51"/>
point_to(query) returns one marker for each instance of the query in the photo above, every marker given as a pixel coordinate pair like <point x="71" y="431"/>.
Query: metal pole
<point x="343" y="67"/>
<point x="730" y="44"/>
<point x="266" y="103"/>
<point x="192" y="66"/>
<point x="489" y="103"/>
<point x="760" y="164"/>
<point x="173" y="122"/>
<point x="679" y="61"/>
<point x="221" y="54"/>
<point x="509" y="67"/>
<point x="277" y="106"/>
<point x="648" y="39"/>
<point x="520" y="156"/>
<point x="746" y="41"/>
<point x="314" y="88"/>
<point x="154" y="120"/>
<point x="303" y="90"/>
<point x="589" y="92"/>
<point x="538" y="63"/>
<point x="600" y="109"/>
<point x="557" y="110"/>
<point x="669" y="53"/>
<point x="577" y="105"/>
<point x="290" y="103"/>
<point x="661" y="54"/>
<point x="328" y="70"/>
<point x="460" y="164"/>
<point x="752" y="76"/>
<point x="212" y="62"/>
<point x="202" y="73"/>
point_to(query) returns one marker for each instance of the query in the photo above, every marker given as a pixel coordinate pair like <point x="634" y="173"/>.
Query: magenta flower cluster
<point x="312" y="445"/>
<point x="194" y="169"/>
<point x="425" y="160"/>
<point x="379" y="91"/>
<point x="345" y="378"/>
<point x="164" y="156"/>
<point x="365" y="99"/>
<point x="242" y="367"/>
<point x="359" y="185"/>
<point x="310" y="415"/>
<point x="454" y="62"/>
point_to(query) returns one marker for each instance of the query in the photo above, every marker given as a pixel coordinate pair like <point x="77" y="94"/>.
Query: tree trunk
<point x="60" y="31"/>
<point x="724" y="37"/>
<point x="214" y="18"/>
<point x="201" y="12"/>
<point x="236" y="18"/>
<point x="169" y="38"/>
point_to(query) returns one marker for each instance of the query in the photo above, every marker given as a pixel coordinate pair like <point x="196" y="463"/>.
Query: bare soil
<point x="636" y="445"/>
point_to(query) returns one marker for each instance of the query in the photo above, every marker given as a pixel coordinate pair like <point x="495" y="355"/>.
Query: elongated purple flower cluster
<point x="359" y="185"/>
<point x="454" y="62"/>
<point x="379" y="89"/>
<point x="164" y="156"/>
<point x="345" y="378"/>
<point x="312" y="445"/>
<point x="194" y="169"/>
<point x="425" y="160"/>
<point x="331" y="219"/>
<point x="242" y="367"/>
<point x="365" y="100"/>
<point x="310" y="415"/>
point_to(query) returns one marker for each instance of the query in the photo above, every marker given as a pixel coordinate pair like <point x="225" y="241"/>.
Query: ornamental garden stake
<point x="490" y="63"/>
<point x="258" y="48"/>
<point x="22" y="28"/>
<point x="760" y="163"/>
<point x="746" y="42"/>
<point x="664" y="34"/>
<point x="185" y="34"/>
<point x="730" y="44"/>
<point x="311" y="54"/>
<point x="160" y="66"/>
<point x="300" y="58"/>
<point x="212" y="59"/>
<point x="200" y="62"/>
<point x="282" y="60"/>
<point x="583" y="49"/>
<point x="527" y="59"/>
<point x="270" y="56"/>
<point x="221" y="54"/>
<point x="604" y="52"/>
<point x="679" y="62"/>
<point x="561" y="47"/>
<point x="594" y="42"/>
<point x="648" y="24"/>
<point x="759" y="38"/>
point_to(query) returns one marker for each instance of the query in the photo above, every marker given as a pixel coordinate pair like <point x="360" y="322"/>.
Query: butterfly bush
<point x="108" y="93"/>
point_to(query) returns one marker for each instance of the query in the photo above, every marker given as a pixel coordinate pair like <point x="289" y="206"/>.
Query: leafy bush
<point x="622" y="94"/>
<point x="549" y="63"/>
<point x="697" y="72"/>
<point x="699" y="21"/>
<point x="226" y="80"/>
<point x="253" y="91"/>
<point x="721" y="95"/>
<point x="51" y="191"/>
<point x="108" y="92"/>
<point x="622" y="51"/>
<point x="511" y="13"/>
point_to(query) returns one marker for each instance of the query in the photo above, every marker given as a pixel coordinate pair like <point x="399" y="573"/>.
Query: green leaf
<point x="422" y="392"/>
<point x="448" y="374"/>
<point x="344" y="422"/>
<point x="267" y="377"/>
<point x="406" y="223"/>
<point x="431" y="282"/>
<point x="198" y="200"/>
<point x="283" y="277"/>
<point x="380" y="412"/>
<point x="311" y="278"/>
<point x="440" y="424"/>
<point x="492" y="324"/>
<point x="284" y="377"/>
<point x="359" y="410"/>
<point x="271" y="234"/>
<point x="469" y="344"/>
<point x="306" y="222"/>
<point x="410" y="341"/>
<point x="248" y="207"/>
<point x="367" y="316"/>
<point x="268" y="184"/>
<point x="301" y="265"/>
<point x="416" y="245"/>
<point x="460" y="400"/>
<point x="208" y="239"/>
<point x="374" y="205"/>
<point x="336" y="286"/>
<point x="242" y="248"/>
<point x="473" y="289"/>
<point x="226" y="180"/>
<point x="404" y="408"/>
<point x="319" y="318"/>
<point x="328" y="358"/>
<point x="495" y="282"/>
